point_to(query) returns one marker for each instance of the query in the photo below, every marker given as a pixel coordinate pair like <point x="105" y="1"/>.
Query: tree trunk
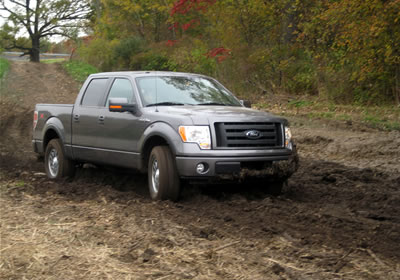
<point x="35" y="52"/>
<point x="397" y="85"/>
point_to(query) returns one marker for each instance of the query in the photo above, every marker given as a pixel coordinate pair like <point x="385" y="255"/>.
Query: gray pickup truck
<point x="177" y="127"/>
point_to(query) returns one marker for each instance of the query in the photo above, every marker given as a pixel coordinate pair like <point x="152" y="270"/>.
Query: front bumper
<point x="239" y="168"/>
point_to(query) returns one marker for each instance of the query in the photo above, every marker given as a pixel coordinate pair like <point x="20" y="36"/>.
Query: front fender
<point x="165" y="131"/>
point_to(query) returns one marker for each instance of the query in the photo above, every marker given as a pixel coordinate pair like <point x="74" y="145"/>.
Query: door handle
<point x="76" y="117"/>
<point x="101" y="119"/>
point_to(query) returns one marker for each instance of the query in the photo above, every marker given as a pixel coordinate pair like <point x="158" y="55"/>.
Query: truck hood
<point x="204" y="115"/>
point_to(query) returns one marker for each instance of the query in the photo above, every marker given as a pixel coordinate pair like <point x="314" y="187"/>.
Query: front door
<point x="121" y="131"/>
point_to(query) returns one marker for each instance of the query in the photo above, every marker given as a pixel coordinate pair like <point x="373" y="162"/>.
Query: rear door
<point x="86" y="121"/>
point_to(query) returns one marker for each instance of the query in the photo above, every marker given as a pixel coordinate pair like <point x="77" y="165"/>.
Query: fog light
<point x="202" y="168"/>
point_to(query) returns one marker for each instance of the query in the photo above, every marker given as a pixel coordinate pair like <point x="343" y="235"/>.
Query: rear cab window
<point x="94" y="93"/>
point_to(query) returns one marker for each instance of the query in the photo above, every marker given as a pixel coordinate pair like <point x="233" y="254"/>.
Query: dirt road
<point x="339" y="217"/>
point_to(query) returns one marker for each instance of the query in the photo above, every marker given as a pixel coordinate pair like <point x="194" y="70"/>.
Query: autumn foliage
<point x="185" y="6"/>
<point x="343" y="50"/>
<point x="219" y="53"/>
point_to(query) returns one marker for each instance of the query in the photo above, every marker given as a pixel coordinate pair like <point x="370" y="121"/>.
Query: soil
<point x="338" y="217"/>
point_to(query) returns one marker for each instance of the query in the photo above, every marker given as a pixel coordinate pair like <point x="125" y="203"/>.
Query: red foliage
<point x="174" y="26"/>
<point x="190" y="24"/>
<point x="219" y="53"/>
<point x="170" y="43"/>
<point x="184" y="6"/>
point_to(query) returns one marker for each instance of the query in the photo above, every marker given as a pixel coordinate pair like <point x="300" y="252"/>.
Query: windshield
<point x="189" y="90"/>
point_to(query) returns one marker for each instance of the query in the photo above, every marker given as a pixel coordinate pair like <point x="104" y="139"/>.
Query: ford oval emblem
<point x="253" y="134"/>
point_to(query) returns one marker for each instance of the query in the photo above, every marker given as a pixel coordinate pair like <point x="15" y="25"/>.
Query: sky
<point x="5" y="13"/>
<point x="2" y="20"/>
<point x="23" y="33"/>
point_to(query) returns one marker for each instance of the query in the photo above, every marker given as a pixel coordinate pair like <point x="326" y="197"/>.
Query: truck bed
<point x="61" y="113"/>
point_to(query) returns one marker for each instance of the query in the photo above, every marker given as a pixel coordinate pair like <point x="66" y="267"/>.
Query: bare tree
<point x="44" y="18"/>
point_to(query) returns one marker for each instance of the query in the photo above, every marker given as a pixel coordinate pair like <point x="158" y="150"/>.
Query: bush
<point x="152" y="61"/>
<point x="201" y="63"/>
<point x="126" y="49"/>
<point x="79" y="70"/>
<point x="193" y="58"/>
<point x="99" y="53"/>
<point x="283" y="70"/>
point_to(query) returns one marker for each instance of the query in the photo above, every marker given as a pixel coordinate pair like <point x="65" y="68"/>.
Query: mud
<point x="338" y="217"/>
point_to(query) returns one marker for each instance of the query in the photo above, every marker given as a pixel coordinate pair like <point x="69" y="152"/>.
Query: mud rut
<point x="339" y="216"/>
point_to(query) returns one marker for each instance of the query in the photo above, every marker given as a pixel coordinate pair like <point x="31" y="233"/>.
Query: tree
<point x="44" y="18"/>
<point x="357" y="43"/>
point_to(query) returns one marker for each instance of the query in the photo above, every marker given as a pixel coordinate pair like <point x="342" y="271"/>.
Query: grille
<point x="233" y="134"/>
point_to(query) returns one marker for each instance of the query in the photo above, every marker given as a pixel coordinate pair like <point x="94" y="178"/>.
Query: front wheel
<point x="162" y="175"/>
<point x="56" y="164"/>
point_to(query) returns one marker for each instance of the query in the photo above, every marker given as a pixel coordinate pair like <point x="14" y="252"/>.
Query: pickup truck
<point x="176" y="127"/>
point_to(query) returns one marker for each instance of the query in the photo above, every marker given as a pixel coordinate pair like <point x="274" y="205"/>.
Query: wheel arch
<point x="149" y="144"/>
<point x="157" y="134"/>
<point x="53" y="129"/>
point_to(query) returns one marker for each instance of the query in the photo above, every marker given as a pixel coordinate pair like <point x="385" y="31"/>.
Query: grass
<point x="381" y="122"/>
<point x="20" y="184"/>
<point x="53" y="60"/>
<point x="4" y="66"/>
<point x="299" y="103"/>
<point x="380" y="117"/>
<point x="79" y="70"/>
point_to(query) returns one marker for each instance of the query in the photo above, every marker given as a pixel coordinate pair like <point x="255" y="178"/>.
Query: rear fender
<point x="56" y="125"/>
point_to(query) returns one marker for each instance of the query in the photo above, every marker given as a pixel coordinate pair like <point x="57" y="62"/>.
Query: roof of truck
<point x="144" y="73"/>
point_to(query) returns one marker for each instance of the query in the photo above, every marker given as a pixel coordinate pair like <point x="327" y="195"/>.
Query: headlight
<point x="196" y="134"/>
<point x="288" y="138"/>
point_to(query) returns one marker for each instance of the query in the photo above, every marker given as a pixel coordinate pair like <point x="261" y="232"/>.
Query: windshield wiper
<point x="165" y="104"/>
<point x="212" y="103"/>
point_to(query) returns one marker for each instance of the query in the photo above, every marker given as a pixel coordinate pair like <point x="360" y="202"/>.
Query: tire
<point x="162" y="175"/>
<point x="56" y="164"/>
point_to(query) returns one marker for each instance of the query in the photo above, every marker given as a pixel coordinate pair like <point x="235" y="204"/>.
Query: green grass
<point x="379" y="122"/>
<point x="53" y="60"/>
<point x="79" y="70"/>
<point x="299" y="103"/>
<point x="4" y="66"/>
<point x="20" y="184"/>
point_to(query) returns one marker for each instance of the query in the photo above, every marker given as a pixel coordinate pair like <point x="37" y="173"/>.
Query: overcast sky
<point x="23" y="33"/>
<point x="2" y="20"/>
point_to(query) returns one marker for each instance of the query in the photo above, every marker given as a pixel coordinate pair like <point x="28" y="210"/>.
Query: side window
<point x="121" y="88"/>
<point x="94" y="92"/>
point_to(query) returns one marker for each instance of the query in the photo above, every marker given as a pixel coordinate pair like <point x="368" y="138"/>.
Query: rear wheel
<point x="162" y="175"/>
<point x="56" y="164"/>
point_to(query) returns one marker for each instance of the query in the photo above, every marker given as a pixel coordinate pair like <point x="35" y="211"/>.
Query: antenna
<point x="155" y="83"/>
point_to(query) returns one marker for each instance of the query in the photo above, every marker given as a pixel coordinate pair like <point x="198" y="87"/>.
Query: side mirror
<point x="121" y="105"/>
<point x="246" y="103"/>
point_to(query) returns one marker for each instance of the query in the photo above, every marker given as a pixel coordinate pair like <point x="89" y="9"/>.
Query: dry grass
<point x="51" y="236"/>
<point x="383" y="117"/>
<point x="89" y="229"/>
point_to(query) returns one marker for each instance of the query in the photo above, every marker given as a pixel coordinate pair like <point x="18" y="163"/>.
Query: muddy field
<point x="338" y="218"/>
